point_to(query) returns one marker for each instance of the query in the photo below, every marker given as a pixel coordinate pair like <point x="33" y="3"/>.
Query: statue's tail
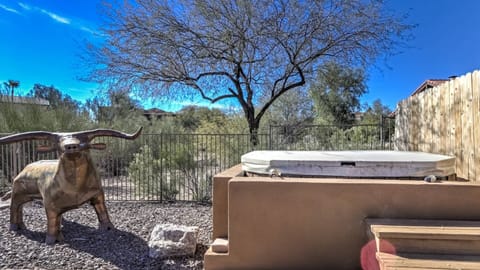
<point x="7" y="196"/>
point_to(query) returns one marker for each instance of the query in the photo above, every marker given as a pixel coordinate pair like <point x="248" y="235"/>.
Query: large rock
<point x="169" y="240"/>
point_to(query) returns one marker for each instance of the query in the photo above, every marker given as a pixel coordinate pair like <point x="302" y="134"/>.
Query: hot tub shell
<point x="351" y="164"/>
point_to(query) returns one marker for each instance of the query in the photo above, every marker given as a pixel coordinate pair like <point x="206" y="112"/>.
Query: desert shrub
<point x="145" y="171"/>
<point x="173" y="166"/>
<point x="188" y="169"/>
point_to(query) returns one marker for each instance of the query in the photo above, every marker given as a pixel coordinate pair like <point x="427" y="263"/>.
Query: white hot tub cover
<point x="377" y="164"/>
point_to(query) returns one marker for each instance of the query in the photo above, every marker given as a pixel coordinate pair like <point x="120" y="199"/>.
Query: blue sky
<point x="41" y="41"/>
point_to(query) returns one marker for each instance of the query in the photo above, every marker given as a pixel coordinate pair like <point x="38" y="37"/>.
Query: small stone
<point x="170" y="240"/>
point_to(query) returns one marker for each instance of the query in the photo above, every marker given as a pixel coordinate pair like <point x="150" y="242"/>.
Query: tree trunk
<point x="253" y="128"/>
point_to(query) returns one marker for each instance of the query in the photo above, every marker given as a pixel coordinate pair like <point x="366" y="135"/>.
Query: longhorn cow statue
<point x="62" y="184"/>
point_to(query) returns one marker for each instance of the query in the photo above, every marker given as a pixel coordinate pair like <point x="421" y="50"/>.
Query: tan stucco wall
<point x="220" y="201"/>
<point x="320" y="223"/>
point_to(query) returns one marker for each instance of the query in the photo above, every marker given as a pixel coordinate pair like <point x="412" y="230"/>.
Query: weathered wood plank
<point x="401" y="134"/>
<point x="467" y="123"/>
<point x="457" y="106"/>
<point x="451" y="119"/>
<point x="427" y="114"/>
<point x="421" y="121"/>
<point x="434" y="118"/>
<point x="414" y="126"/>
<point x="440" y="119"/>
<point x="476" y="123"/>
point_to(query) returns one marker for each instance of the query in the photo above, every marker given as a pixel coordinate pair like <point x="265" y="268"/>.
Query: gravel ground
<point x="87" y="248"/>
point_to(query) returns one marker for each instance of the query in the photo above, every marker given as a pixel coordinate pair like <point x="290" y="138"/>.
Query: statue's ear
<point x="45" y="148"/>
<point x="98" y="146"/>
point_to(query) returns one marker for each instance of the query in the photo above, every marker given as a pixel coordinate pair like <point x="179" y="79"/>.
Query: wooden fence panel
<point x="445" y="120"/>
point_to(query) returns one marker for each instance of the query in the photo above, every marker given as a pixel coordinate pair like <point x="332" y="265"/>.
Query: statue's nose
<point x="70" y="148"/>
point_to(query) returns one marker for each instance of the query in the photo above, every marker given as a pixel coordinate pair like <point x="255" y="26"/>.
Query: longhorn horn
<point x="91" y="134"/>
<point x="32" y="135"/>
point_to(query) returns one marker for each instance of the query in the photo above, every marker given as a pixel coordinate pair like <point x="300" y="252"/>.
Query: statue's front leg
<point x="54" y="220"/>
<point x="98" y="203"/>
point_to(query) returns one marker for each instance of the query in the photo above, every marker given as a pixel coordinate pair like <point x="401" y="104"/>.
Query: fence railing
<point x="329" y="137"/>
<point x="168" y="167"/>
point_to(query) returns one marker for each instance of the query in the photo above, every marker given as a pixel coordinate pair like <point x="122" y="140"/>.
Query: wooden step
<point x="426" y="236"/>
<point x="426" y="261"/>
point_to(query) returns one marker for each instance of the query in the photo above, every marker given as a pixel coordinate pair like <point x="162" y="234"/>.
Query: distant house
<point x="359" y="116"/>
<point x="428" y="84"/>
<point x="107" y="112"/>
<point x="155" y="113"/>
<point x="24" y="100"/>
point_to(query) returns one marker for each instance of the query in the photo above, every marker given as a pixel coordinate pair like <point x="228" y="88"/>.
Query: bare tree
<point x="245" y="50"/>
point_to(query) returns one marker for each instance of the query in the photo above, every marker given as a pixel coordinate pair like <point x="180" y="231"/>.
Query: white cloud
<point x="24" y="6"/>
<point x="50" y="14"/>
<point x="88" y="30"/>
<point x="55" y="17"/>
<point x="9" y="9"/>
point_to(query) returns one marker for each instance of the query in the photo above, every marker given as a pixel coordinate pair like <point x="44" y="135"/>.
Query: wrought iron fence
<point x="168" y="167"/>
<point x="333" y="137"/>
<point x="14" y="157"/>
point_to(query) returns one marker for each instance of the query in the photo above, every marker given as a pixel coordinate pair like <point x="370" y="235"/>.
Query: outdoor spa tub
<point x="349" y="164"/>
<point x="309" y="209"/>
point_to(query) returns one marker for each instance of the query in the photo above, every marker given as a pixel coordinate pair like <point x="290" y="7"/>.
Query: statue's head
<point x="70" y="145"/>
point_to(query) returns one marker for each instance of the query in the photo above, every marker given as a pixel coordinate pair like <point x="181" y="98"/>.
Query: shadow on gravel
<point x="123" y="249"/>
<point x="119" y="248"/>
<point x="32" y="235"/>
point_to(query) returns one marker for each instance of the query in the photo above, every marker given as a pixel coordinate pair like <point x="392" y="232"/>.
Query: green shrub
<point x="185" y="169"/>
<point x="145" y="171"/>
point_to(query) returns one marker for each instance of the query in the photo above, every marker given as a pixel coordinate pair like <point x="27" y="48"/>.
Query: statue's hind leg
<point x="16" y="211"/>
